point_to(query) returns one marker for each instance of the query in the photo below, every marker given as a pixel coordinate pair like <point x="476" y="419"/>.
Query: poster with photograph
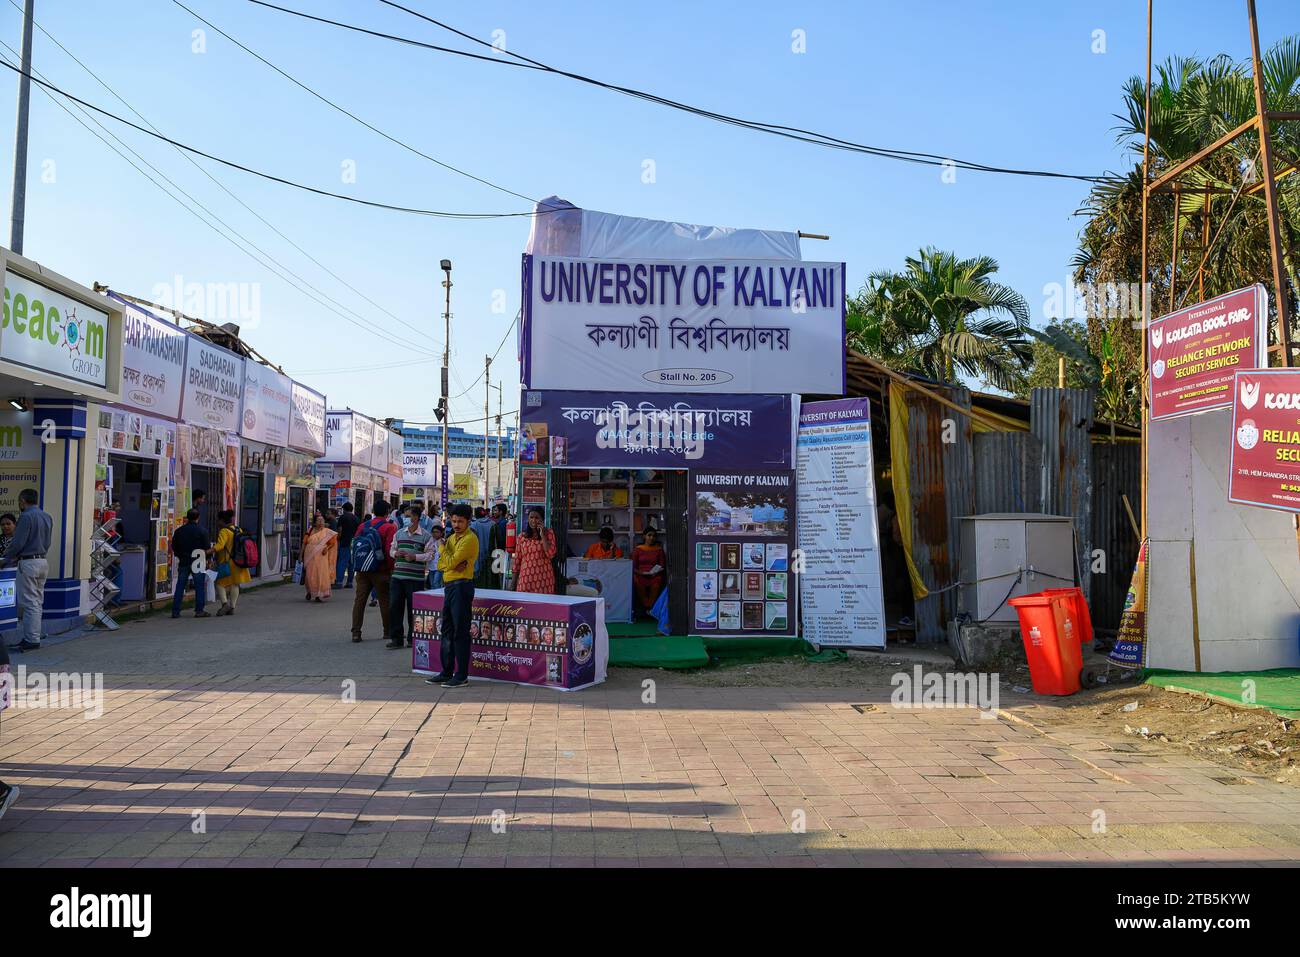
<point x="742" y="528"/>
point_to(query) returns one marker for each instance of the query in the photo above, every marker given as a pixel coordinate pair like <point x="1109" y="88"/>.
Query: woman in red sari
<point x="648" y="563"/>
<point x="534" y="550"/>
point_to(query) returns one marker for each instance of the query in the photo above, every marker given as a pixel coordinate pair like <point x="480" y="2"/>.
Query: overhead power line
<point x="442" y="214"/>
<point x="500" y="345"/>
<point x="774" y="129"/>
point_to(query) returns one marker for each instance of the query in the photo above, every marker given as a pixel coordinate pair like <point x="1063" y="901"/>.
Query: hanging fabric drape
<point x="900" y="466"/>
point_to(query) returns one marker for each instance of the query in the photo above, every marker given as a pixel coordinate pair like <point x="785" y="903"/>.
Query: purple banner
<point x="835" y="411"/>
<point x="648" y="430"/>
<point x="526" y="641"/>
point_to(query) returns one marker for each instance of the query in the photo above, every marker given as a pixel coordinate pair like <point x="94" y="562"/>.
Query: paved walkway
<point x="270" y="740"/>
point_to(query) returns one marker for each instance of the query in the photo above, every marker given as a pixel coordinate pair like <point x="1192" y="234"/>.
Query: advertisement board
<point x="1265" y="459"/>
<point x="841" y="593"/>
<point x="153" y="363"/>
<point x="267" y="405"/>
<point x="742" y="580"/>
<point x="650" y="430"/>
<point x="48" y="331"/>
<point x="419" y="468"/>
<point x="684" y="326"/>
<point x="338" y="437"/>
<point x="1195" y="351"/>
<point x="307" y="425"/>
<point x="214" y="386"/>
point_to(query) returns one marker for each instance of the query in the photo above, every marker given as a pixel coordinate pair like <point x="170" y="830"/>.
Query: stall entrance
<point x="629" y="503"/>
<point x="250" y="509"/>
<point x="299" y="499"/>
<point x="134" y="484"/>
<point x="359" y="501"/>
<point x="211" y="481"/>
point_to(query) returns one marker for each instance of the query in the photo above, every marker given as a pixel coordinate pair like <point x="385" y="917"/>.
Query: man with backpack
<point x="348" y="524"/>
<point x="373" y="566"/>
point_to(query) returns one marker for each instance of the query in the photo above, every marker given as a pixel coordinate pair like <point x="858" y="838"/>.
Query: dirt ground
<point x="1253" y="741"/>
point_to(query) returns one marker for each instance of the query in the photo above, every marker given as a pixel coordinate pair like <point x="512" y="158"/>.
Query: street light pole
<point x="445" y="413"/>
<point x="18" y="214"/>
<point x="500" y="484"/>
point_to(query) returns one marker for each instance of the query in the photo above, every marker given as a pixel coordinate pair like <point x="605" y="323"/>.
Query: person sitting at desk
<point x="605" y="548"/>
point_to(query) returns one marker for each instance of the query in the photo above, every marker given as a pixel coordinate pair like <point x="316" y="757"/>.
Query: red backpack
<point x="244" y="553"/>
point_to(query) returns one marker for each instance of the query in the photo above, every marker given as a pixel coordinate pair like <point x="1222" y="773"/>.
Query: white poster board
<point x="267" y="403"/>
<point x="338" y="437"/>
<point x="681" y="326"/>
<point x="307" y="425"/>
<point x="153" y="363"/>
<point x="841" y="589"/>
<point x="610" y="579"/>
<point x="214" y="386"/>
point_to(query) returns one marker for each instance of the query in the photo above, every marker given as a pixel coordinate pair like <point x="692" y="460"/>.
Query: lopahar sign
<point x="419" y="468"/>
<point x="1265" y="461"/>
<point x="773" y="326"/>
<point x="46" y="330"/>
<point x="1196" y="351"/>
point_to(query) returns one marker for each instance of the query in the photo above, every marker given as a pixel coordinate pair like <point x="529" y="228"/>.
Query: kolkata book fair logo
<point x="1157" y="337"/>
<point x="72" y="333"/>
<point x="1249" y="394"/>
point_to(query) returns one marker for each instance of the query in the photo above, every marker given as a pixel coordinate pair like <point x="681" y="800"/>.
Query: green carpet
<point x="1277" y="690"/>
<point x="660" y="651"/>
<point x="635" y="629"/>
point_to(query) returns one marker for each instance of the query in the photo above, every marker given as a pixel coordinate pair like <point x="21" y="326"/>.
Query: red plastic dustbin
<point x="1079" y="605"/>
<point x="1048" y="629"/>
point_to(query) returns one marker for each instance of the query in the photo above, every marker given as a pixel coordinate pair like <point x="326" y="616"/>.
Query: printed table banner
<point x="1265" y="461"/>
<point x="683" y="326"/>
<point x="647" y="430"/>
<point x="1131" y="639"/>
<point x="214" y="386"/>
<point x="267" y="405"/>
<point x="556" y="641"/>
<point x="1195" y="351"/>
<point x="742" y="580"/>
<point x="153" y="362"/>
<point x="307" y="425"/>
<point x="841" y="595"/>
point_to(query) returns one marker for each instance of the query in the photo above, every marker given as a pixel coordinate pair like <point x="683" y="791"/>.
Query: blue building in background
<point x="460" y="444"/>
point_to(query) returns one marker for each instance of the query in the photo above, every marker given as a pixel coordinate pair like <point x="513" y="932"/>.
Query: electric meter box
<point x="995" y="546"/>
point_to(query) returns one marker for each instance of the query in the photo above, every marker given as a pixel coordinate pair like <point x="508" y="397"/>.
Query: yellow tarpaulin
<point x="901" y="469"/>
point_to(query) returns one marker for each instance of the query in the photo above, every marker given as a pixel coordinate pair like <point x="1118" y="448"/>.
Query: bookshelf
<point x="598" y="500"/>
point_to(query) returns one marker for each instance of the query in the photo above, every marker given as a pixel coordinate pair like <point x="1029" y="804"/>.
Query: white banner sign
<point x="420" y="468"/>
<point x="841" y="591"/>
<point x="307" y="425"/>
<point x="46" y="330"/>
<point x="267" y="402"/>
<point x="214" y="386"/>
<point x="725" y="326"/>
<point x="338" y="437"/>
<point x="363" y="440"/>
<point x="153" y="363"/>
<point x="395" y="441"/>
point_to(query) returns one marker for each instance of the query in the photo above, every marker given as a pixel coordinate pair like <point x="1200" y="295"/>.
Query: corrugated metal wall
<point x="1062" y="418"/>
<point x="942" y="486"/>
<point x="1008" y="472"/>
<point x="1116" y="472"/>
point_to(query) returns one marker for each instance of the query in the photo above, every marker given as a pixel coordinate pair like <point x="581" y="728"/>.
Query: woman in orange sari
<point x="320" y="551"/>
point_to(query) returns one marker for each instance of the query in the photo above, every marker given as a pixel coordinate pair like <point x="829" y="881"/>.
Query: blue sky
<point x="1012" y="83"/>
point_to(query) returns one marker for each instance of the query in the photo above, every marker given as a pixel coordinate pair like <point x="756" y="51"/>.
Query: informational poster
<point x="267" y="405"/>
<point x="307" y="425"/>
<point x="610" y="579"/>
<point x="742" y="542"/>
<point x="1265" y="460"/>
<point x="1131" y="639"/>
<point x="338" y="437"/>
<point x="20" y="458"/>
<point x="1195" y="351"/>
<point x="551" y="640"/>
<point x="214" y="386"/>
<point x="684" y="326"/>
<point x="534" y="485"/>
<point x="649" y="430"/>
<point x="153" y="363"/>
<point x="46" y="330"/>
<point x="841" y="591"/>
<point x="363" y="440"/>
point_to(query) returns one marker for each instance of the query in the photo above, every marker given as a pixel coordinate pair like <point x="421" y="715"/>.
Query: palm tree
<point x="940" y="316"/>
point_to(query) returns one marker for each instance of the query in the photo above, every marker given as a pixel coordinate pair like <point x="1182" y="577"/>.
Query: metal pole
<point x="18" y="208"/>
<point x="499" y="482"/>
<point x="487" y="397"/>
<point x="446" y="366"/>
<point x="1270" y="193"/>
<point x="1146" y="291"/>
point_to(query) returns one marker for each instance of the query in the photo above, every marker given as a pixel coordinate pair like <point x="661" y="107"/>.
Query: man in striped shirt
<point x="411" y="551"/>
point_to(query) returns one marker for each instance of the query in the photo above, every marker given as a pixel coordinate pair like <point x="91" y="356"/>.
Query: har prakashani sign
<point x="683" y="326"/>
<point x="1196" y="351"/>
<point x="51" y="332"/>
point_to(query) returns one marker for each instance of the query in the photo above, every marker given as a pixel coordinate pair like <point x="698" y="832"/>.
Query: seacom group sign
<point x="46" y="330"/>
<point x="1196" y="351"/>
<point x="1265" y="467"/>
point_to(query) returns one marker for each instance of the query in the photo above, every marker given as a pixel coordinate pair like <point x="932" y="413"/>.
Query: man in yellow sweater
<point x="456" y="562"/>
